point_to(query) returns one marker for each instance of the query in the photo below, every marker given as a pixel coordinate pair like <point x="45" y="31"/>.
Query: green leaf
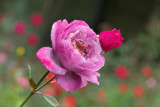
<point x="51" y="100"/>
<point x="32" y="84"/>
<point x="29" y="71"/>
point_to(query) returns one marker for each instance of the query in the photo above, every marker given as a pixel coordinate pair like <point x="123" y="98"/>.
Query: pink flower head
<point x="32" y="39"/>
<point x="110" y="39"/>
<point x="19" y="28"/>
<point x="3" y="58"/>
<point x="36" y="19"/>
<point x="75" y="55"/>
<point x="122" y="72"/>
<point x="23" y="82"/>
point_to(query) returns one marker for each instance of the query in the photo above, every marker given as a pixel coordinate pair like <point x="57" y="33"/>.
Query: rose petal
<point x="57" y="29"/>
<point x="90" y="76"/>
<point x="47" y="58"/>
<point x="70" y="81"/>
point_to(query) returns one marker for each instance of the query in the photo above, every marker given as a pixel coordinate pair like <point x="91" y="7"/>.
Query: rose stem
<point x="45" y="84"/>
<point x="31" y="93"/>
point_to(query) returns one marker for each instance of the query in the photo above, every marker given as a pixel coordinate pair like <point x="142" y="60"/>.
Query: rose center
<point x="81" y="46"/>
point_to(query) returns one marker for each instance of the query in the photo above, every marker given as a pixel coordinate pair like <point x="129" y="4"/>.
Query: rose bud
<point x="110" y="39"/>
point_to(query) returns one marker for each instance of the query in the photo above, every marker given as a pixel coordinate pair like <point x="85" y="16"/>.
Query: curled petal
<point x="47" y="58"/>
<point x="90" y="76"/>
<point x="70" y="81"/>
<point x="57" y="31"/>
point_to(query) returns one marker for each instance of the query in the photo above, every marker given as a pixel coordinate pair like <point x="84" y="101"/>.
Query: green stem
<point x="26" y="99"/>
<point x="45" y="84"/>
<point x="46" y="73"/>
<point x="41" y="79"/>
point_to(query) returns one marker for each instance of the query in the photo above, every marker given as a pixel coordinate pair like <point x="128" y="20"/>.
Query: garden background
<point x="131" y="75"/>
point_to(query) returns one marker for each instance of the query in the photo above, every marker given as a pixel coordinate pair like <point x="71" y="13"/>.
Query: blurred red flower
<point x="32" y="39"/>
<point x="147" y="71"/>
<point x="36" y="19"/>
<point x="23" y="82"/>
<point x="123" y="88"/>
<point x="69" y="101"/>
<point x="3" y="57"/>
<point x="101" y="95"/>
<point x="122" y="72"/>
<point x="56" y="87"/>
<point x="49" y="76"/>
<point x="49" y="91"/>
<point x="19" y="28"/>
<point x="1" y="18"/>
<point x="138" y="91"/>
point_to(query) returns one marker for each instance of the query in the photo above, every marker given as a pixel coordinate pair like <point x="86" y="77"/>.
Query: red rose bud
<point x="110" y="39"/>
<point x="36" y="19"/>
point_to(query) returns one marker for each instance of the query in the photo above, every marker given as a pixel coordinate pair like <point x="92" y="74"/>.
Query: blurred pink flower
<point x="19" y="28"/>
<point x="49" y="91"/>
<point x="32" y="39"/>
<point x="1" y="18"/>
<point x="23" y="82"/>
<point x="3" y="58"/>
<point x="69" y="101"/>
<point x="36" y="19"/>
<point x="147" y="71"/>
<point x="75" y="55"/>
<point x="122" y="72"/>
<point x="138" y="91"/>
<point x="110" y="39"/>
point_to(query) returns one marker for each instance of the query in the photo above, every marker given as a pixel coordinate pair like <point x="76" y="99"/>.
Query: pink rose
<point x="110" y="39"/>
<point x="75" y="55"/>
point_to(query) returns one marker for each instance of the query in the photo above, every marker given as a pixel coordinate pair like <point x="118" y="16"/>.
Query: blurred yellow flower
<point x="20" y="51"/>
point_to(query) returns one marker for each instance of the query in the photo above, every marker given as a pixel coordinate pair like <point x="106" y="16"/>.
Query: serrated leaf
<point x="51" y="100"/>
<point x="29" y="71"/>
<point x="32" y="84"/>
